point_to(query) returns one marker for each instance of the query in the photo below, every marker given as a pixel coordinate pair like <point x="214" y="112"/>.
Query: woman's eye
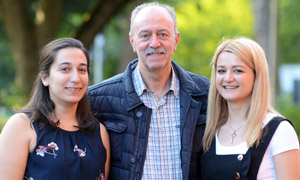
<point x="64" y="69"/>
<point x="83" y="70"/>
<point x="238" y="71"/>
<point x="221" y="71"/>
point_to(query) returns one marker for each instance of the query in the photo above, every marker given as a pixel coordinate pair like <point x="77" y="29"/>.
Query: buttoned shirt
<point x="163" y="151"/>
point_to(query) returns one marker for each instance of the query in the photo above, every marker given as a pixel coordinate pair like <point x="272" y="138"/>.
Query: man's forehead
<point x="156" y="17"/>
<point x="150" y="13"/>
<point x="156" y="30"/>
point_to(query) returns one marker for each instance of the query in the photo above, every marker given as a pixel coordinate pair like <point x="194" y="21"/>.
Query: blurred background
<point x="103" y="26"/>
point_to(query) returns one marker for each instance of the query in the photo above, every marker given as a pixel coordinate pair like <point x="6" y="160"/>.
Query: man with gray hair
<point x="155" y="111"/>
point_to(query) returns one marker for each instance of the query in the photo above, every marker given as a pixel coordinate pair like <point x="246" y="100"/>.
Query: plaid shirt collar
<point x="141" y="88"/>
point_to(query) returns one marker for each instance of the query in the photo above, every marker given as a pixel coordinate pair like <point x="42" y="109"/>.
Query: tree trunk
<point x="99" y="17"/>
<point x="273" y="49"/>
<point x="27" y="36"/>
<point x="266" y="15"/>
<point x="21" y="34"/>
<point x="48" y="20"/>
<point x="262" y="20"/>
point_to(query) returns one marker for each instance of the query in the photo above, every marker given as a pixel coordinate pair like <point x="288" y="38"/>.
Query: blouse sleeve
<point x="285" y="138"/>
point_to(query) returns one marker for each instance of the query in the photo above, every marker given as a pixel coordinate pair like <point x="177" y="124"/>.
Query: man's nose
<point x="155" y="41"/>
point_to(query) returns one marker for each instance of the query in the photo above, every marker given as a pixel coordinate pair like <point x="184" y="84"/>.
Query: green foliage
<point x="289" y="31"/>
<point x="290" y="110"/>
<point x="75" y="12"/>
<point x="13" y="96"/>
<point x="3" y="120"/>
<point x="203" y="24"/>
<point x="7" y="67"/>
<point x="113" y="35"/>
<point x="73" y="16"/>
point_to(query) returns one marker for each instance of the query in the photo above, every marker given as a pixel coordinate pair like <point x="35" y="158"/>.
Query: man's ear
<point x="131" y="40"/>
<point x="177" y="37"/>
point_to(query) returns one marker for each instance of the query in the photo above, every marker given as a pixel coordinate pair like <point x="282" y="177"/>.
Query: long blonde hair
<point x="253" y="56"/>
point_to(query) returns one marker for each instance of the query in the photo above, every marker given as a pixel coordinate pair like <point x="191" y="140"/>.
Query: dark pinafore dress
<point x="224" y="167"/>
<point x="66" y="155"/>
<point x="237" y="166"/>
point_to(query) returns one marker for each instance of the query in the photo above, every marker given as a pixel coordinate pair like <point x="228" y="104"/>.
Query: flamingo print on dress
<point x="101" y="176"/>
<point x="42" y="150"/>
<point x="81" y="153"/>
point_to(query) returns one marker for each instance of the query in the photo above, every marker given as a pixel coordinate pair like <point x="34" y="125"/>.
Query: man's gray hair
<point x="144" y="5"/>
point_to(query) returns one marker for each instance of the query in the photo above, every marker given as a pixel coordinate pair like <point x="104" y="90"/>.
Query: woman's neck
<point x="66" y="115"/>
<point x="237" y="113"/>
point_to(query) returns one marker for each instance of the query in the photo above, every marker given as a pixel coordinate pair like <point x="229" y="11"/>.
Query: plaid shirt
<point x="163" y="151"/>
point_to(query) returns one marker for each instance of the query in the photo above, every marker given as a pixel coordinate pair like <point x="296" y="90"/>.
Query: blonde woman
<point x="245" y="138"/>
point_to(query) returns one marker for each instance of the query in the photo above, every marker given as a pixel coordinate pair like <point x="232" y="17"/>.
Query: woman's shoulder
<point x="103" y="132"/>
<point x="104" y="136"/>
<point x="285" y="138"/>
<point x="18" y="121"/>
<point x="19" y="130"/>
<point x="268" y="117"/>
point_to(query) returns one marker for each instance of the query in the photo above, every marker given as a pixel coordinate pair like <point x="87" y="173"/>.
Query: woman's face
<point x="234" y="79"/>
<point x="68" y="77"/>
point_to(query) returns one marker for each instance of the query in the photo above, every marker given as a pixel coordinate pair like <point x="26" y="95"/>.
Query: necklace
<point x="234" y="131"/>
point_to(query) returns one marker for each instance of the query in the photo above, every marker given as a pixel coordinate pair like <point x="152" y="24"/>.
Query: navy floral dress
<point x="66" y="155"/>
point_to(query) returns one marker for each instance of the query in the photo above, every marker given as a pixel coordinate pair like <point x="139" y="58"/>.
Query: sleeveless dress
<point x="66" y="155"/>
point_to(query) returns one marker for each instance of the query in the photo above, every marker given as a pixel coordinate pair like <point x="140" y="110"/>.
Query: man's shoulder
<point x="199" y="79"/>
<point x="106" y="85"/>
<point x="200" y="84"/>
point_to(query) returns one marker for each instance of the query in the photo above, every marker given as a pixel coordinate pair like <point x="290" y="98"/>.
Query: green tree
<point x="203" y="24"/>
<point x="289" y="31"/>
<point x="266" y="34"/>
<point x="30" y="24"/>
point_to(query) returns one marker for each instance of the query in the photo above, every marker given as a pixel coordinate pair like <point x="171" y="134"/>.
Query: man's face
<point x="154" y="39"/>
